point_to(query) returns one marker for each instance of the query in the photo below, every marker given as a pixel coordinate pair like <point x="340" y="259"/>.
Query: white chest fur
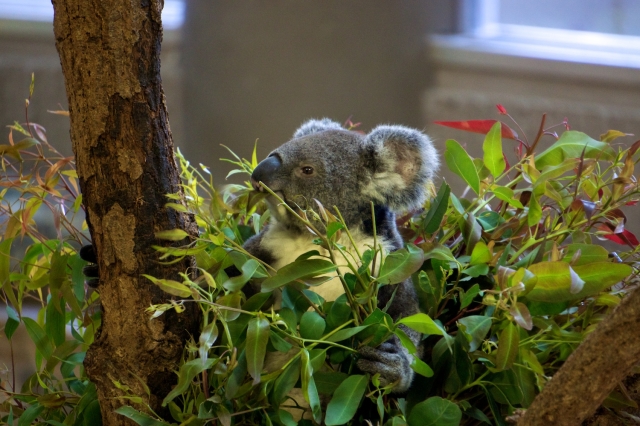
<point x="286" y="246"/>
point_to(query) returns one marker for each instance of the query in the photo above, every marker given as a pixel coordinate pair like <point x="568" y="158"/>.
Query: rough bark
<point x="602" y="361"/>
<point x="109" y="51"/>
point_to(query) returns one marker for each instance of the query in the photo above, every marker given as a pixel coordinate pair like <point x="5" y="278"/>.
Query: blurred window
<point x="605" y="32"/>
<point x="601" y="16"/>
<point x="42" y="11"/>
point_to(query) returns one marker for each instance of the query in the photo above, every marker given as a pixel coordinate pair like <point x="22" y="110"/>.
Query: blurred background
<point x="236" y="71"/>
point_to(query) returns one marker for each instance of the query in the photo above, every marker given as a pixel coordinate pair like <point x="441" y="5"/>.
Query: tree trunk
<point x="602" y="361"/>
<point x="110" y="56"/>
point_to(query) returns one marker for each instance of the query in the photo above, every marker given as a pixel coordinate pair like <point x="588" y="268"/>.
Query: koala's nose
<point x="264" y="171"/>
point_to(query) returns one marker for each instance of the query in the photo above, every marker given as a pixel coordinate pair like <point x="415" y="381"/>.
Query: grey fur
<point x="390" y="166"/>
<point x="315" y="126"/>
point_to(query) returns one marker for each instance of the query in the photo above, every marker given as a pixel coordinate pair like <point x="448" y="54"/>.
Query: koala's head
<point x="390" y="166"/>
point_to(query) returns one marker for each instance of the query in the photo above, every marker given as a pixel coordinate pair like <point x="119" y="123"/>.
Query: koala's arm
<point x="391" y="359"/>
<point x="254" y="246"/>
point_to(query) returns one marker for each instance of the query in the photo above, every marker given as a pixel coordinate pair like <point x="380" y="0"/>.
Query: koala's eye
<point x="307" y="170"/>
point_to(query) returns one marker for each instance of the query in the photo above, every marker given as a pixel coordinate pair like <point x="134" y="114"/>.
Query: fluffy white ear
<point x="315" y="126"/>
<point x="402" y="162"/>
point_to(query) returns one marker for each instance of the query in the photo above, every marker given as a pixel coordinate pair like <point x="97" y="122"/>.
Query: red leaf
<point x="631" y="203"/>
<point x="506" y="161"/>
<point x="622" y="238"/>
<point x="501" y="109"/>
<point x="479" y="126"/>
<point x="634" y="148"/>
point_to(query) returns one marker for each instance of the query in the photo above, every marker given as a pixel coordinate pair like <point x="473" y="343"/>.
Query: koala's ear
<point x="401" y="162"/>
<point x="315" y="126"/>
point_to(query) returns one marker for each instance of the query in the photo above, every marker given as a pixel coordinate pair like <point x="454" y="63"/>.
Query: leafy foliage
<point x="510" y="279"/>
<point x="42" y="285"/>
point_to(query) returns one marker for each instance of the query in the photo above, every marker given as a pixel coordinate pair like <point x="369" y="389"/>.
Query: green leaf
<point x="298" y="270"/>
<point x="544" y="308"/>
<point x="248" y="270"/>
<point x="30" y="414"/>
<point x="553" y="172"/>
<point x="285" y="382"/>
<point x="333" y="227"/>
<point x="345" y="333"/>
<point x="437" y="210"/>
<point x="55" y="322"/>
<point x="476" y="328"/>
<point x="279" y="343"/>
<point x="5" y="272"/>
<point x="380" y="325"/>
<point x="286" y="418"/>
<point x="506" y="388"/>
<point x="25" y="143"/>
<point x="345" y="400"/>
<point x="422" y="323"/>
<point x="438" y="251"/>
<point x="508" y="345"/>
<point x="39" y="337"/>
<point x="555" y="279"/>
<point x="480" y="254"/>
<point x="469" y="295"/>
<point x="312" y="325"/>
<point x="256" y="346"/>
<point x="507" y="195"/>
<point x="534" y="214"/>
<point x="208" y="336"/>
<point x="139" y="417"/>
<point x="589" y="253"/>
<point x="328" y="381"/>
<point x="91" y="414"/>
<point x="477" y="270"/>
<point x="309" y="387"/>
<point x="188" y="371"/>
<point x="489" y="220"/>
<point x="492" y="148"/>
<point x="12" y="322"/>
<point x="420" y="367"/>
<point x="472" y="232"/>
<point x="571" y="145"/>
<point x="231" y="300"/>
<point x="400" y="265"/>
<point x="435" y="411"/>
<point x="461" y="164"/>
<point x="172" y="235"/>
<point x="339" y="313"/>
<point x="405" y="340"/>
<point x="170" y="286"/>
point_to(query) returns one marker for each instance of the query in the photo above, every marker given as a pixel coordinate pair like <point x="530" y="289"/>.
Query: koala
<point x="390" y="167"/>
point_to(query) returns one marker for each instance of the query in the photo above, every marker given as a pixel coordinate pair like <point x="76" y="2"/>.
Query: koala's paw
<point x="88" y="253"/>
<point x="392" y="361"/>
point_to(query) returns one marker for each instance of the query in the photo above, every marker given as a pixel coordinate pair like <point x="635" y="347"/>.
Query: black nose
<point x="265" y="170"/>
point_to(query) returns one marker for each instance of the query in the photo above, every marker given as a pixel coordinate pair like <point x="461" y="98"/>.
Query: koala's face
<point x="390" y="166"/>
<point x="326" y="166"/>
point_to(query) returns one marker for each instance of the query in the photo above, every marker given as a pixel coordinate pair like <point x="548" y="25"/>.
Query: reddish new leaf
<point x="625" y="237"/>
<point x="634" y="148"/>
<point x="502" y="110"/>
<point x="479" y="126"/>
